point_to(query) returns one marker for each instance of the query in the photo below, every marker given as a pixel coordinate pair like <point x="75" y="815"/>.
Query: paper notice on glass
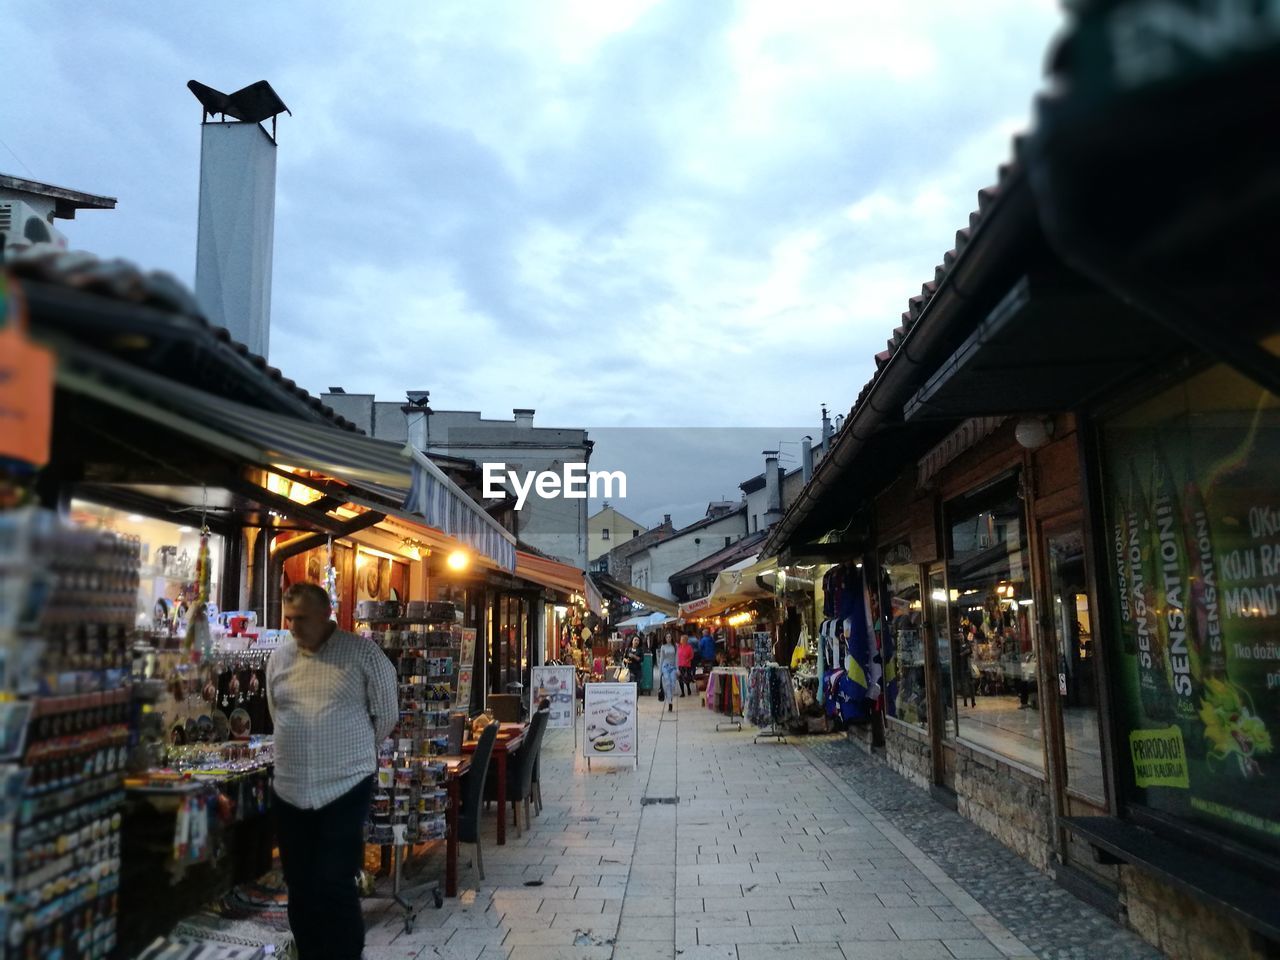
<point x="555" y="684"/>
<point x="610" y="720"/>
<point x="466" y="667"/>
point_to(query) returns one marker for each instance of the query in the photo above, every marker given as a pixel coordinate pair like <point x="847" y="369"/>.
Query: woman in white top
<point x="667" y="665"/>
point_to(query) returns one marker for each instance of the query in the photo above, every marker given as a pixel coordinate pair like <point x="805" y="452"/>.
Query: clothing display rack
<point x="726" y="694"/>
<point x="423" y="642"/>
<point x="771" y="701"/>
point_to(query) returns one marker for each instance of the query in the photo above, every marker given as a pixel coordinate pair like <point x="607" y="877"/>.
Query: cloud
<point x="622" y="213"/>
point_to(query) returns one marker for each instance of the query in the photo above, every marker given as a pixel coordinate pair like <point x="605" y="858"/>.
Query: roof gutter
<point x="996" y="236"/>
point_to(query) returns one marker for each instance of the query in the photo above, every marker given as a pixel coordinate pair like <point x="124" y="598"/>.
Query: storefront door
<point x="1069" y="625"/>
<point x="944" y="712"/>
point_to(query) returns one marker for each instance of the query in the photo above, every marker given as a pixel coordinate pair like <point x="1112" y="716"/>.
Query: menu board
<point x="556" y="684"/>
<point x="466" y="668"/>
<point x="610" y="720"/>
<point x="1193" y="525"/>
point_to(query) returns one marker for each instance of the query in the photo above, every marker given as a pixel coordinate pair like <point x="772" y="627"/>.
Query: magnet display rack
<point x="66" y="627"/>
<point x="409" y="798"/>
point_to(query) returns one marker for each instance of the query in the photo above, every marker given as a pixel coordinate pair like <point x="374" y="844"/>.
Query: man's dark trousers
<point x="322" y="851"/>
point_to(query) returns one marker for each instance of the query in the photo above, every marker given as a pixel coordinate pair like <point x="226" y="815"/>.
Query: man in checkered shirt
<point x="333" y="699"/>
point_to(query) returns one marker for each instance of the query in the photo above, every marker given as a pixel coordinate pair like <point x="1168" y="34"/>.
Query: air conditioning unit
<point x="22" y="228"/>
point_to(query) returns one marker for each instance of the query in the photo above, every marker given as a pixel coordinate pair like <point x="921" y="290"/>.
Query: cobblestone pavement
<point x="1051" y="921"/>
<point x="766" y="853"/>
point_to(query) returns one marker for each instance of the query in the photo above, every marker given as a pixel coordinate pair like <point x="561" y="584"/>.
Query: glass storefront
<point x="1193" y="523"/>
<point x="509" y="649"/>
<point x="902" y="636"/>
<point x="992" y="623"/>
<point x="168" y="586"/>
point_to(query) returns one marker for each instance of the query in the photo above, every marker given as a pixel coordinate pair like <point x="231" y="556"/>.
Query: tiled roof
<point x="124" y="283"/>
<point x="917" y="306"/>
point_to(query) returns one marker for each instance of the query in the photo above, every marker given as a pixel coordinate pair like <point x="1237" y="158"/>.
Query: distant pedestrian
<point x="707" y="647"/>
<point x="667" y="658"/>
<point x="634" y="659"/>
<point x="684" y="661"/>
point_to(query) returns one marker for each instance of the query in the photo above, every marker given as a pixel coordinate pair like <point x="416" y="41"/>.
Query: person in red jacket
<point x="684" y="661"/>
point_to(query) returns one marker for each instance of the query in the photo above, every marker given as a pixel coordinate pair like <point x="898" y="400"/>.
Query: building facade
<point x="653" y="566"/>
<point x="1054" y="498"/>
<point x="609" y="528"/>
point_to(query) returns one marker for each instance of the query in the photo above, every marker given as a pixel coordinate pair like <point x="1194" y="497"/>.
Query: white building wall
<point x="670" y="556"/>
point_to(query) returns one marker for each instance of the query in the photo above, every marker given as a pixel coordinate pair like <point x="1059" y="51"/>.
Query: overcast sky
<point x="618" y="212"/>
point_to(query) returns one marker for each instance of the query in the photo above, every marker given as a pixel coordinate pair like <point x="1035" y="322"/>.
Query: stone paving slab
<point x="768" y="853"/>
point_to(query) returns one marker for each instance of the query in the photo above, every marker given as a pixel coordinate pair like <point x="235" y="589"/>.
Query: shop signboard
<point x="26" y="385"/>
<point x="609" y="719"/>
<point x="466" y="668"/>
<point x="556" y="684"/>
<point x="1193" y="524"/>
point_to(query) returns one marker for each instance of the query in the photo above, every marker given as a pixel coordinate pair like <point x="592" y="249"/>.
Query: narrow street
<point x="767" y="851"/>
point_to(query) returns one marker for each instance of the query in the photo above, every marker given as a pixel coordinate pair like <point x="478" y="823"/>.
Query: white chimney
<point x="772" y="488"/>
<point x="236" y="232"/>
<point x="524" y="417"/>
<point x="416" y="412"/>
<point x="826" y="424"/>
<point x="806" y="458"/>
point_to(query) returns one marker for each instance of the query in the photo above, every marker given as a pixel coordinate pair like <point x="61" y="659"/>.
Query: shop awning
<point x="644" y="621"/>
<point x="642" y="597"/>
<point x="553" y="574"/>
<point x="734" y="585"/>
<point x="595" y="603"/>
<point x="1043" y="348"/>
<point x="274" y="440"/>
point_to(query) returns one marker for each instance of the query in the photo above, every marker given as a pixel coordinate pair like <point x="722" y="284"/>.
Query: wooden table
<point x="455" y="767"/>
<point x="510" y="737"/>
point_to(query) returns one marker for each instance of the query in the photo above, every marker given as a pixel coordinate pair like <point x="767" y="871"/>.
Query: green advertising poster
<point x="1193" y="517"/>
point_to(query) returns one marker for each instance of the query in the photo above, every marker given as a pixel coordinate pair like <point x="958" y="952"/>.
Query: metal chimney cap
<point x="251" y="104"/>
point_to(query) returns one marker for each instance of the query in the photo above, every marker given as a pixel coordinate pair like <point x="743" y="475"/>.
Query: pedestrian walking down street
<point x="333" y="698"/>
<point x="667" y="658"/>
<point x="684" y="663"/>
<point x="707" y="648"/>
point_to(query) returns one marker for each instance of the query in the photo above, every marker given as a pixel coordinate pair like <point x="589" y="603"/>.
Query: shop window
<point x="902" y="637"/>
<point x="991" y="617"/>
<point x="167" y="587"/>
<point x="1193" y="528"/>
<point x="1073" y="642"/>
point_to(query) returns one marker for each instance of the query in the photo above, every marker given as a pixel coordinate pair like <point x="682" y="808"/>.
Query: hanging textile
<point x="726" y="689"/>
<point x="851" y="651"/>
<point x="771" y="697"/>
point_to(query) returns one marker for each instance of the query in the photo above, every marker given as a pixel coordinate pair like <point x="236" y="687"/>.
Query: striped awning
<point x="444" y="505"/>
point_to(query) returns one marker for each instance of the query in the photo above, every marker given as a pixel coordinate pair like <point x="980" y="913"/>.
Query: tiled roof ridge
<point x="123" y="281"/>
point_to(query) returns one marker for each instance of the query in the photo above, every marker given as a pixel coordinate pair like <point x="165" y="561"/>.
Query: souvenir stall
<point x="133" y="709"/>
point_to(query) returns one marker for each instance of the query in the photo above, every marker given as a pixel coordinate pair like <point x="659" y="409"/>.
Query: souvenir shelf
<point x="65" y="635"/>
<point x="424" y="642"/>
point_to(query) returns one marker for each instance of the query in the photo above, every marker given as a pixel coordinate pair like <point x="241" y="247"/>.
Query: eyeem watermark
<point x="574" y="482"/>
